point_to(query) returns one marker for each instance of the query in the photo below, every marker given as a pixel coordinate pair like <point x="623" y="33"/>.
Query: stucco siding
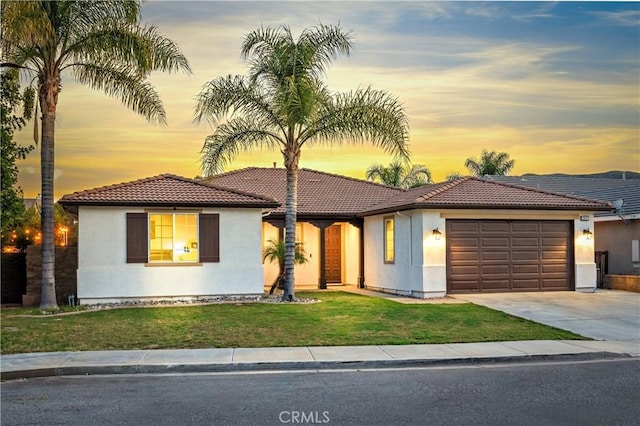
<point x="104" y="274"/>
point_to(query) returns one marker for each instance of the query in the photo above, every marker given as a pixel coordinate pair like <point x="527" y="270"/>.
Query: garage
<point x="509" y="255"/>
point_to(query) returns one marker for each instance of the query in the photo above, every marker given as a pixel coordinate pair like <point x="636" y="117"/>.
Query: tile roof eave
<point x="421" y="206"/>
<point x="119" y="203"/>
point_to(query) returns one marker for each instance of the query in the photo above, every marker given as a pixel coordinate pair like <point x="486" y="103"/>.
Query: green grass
<point x="340" y="319"/>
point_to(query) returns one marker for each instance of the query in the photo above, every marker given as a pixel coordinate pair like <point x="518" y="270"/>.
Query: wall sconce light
<point x="587" y="234"/>
<point x="437" y="233"/>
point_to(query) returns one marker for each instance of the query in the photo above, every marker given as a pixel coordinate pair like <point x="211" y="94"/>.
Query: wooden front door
<point x="333" y="253"/>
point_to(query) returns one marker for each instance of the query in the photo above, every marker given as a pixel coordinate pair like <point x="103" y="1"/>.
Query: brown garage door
<point x="508" y="255"/>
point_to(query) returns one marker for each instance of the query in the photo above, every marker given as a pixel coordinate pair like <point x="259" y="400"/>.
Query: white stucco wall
<point x="404" y="275"/>
<point x="585" y="266"/>
<point x="350" y="254"/>
<point x="420" y="266"/>
<point x="104" y="275"/>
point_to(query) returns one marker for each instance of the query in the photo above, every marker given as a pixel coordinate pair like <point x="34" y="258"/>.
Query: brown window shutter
<point x="209" y="237"/>
<point x="137" y="240"/>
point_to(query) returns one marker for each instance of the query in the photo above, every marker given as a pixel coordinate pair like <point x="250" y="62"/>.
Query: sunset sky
<point x="553" y="84"/>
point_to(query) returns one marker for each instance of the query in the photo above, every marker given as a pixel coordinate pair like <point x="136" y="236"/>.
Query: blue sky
<point x="553" y="84"/>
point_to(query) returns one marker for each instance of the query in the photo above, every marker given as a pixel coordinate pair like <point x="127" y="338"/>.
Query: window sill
<point x="165" y="264"/>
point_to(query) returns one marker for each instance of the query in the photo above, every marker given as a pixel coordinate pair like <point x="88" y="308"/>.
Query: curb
<point x="90" y="370"/>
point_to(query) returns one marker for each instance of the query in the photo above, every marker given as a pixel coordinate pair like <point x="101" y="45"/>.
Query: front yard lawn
<point x="340" y="319"/>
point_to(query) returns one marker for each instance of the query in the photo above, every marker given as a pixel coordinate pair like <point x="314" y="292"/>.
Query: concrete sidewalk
<point x="304" y="358"/>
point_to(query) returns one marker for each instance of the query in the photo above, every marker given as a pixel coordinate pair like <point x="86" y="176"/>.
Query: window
<point x="159" y="237"/>
<point x="389" y="240"/>
<point x="173" y="237"/>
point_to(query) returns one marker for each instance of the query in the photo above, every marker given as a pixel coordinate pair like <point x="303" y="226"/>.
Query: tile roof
<point x="319" y="193"/>
<point x="166" y="190"/>
<point x="594" y="188"/>
<point x="471" y="192"/>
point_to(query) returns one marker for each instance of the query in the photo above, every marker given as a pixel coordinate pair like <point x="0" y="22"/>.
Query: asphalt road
<point x="578" y="393"/>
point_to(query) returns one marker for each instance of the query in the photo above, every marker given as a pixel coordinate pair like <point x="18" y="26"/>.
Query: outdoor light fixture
<point x="587" y="234"/>
<point x="437" y="233"/>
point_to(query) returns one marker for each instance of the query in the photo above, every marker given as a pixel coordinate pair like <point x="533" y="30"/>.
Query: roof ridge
<point x="538" y="190"/>
<point x="354" y="179"/>
<point x="114" y="185"/>
<point x="97" y="190"/>
<point x="218" y="187"/>
<point x="447" y="186"/>
<point x="231" y="172"/>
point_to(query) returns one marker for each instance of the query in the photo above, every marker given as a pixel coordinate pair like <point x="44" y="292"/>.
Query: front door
<point x="333" y="253"/>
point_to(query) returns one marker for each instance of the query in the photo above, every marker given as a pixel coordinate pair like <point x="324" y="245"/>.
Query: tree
<point x="399" y="175"/>
<point x="12" y="209"/>
<point x="490" y="163"/>
<point x="102" y="45"/>
<point x="282" y="103"/>
<point x="275" y="252"/>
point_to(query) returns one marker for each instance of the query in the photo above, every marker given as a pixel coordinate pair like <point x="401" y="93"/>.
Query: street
<point x="580" y="393"/>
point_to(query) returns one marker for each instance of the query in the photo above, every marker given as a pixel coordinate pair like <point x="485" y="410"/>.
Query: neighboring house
<point x="617" y="232"/>
<point x="167" y="236"/>
<point x="469" y="235"/>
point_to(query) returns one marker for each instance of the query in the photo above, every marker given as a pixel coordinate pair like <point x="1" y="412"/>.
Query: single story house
<point x="168" y="236"/>
<point x="617" y="231"/>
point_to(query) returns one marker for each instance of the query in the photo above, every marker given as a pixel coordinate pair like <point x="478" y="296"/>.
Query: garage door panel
<point x="558" y="242"/>
<point x="526" y="284"/>
<point x="508" y="255"/>
<point x="526" y="269"/>
<point x="494" y="242"/>
<point x="464" y="226"/>
<point x="495" y="226"/>
<point x="526" y="256"/>
<point x="494" y="256"/>
<point x="562" y="227"/>
<point x="558" y="268"/>
<point x="554" y="255"/>
<point x="554" y="284"/>
<point x="495" y="284"/>
<point x="465" y="256"/>
<point x="524" y="242"/>
<point x="462" y="244"/>
<point x="525" y="226"/>
<point x="495" y="269"/>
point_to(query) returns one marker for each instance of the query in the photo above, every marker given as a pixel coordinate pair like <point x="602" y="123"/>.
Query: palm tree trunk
<point x="48" y="99"/>
<point x="291" y="207"/>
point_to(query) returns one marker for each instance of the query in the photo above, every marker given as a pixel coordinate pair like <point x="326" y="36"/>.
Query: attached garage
<point x="477" y="235"/>
<point x="509" y="255"/>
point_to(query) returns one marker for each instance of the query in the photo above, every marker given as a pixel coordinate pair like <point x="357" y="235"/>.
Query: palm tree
<point x="275" y="252"/>
<point x="453" y="176"/>
<point x="102" y="45"/>
<point x="490" y="163"/>
<point x="282" y="103"/>
<point x="399" y="175"/>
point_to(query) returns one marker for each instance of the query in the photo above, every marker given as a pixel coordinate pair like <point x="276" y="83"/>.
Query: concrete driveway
<point x="603" y="315"/>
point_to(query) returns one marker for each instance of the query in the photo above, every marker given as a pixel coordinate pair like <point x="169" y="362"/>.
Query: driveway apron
<point x="603" y="315"/>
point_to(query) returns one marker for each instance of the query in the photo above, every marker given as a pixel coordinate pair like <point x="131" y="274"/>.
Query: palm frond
<point x="229" y="139"/>
<point x="127" y="85"/>
<point x="232" y="94"/>
<point x="363" y="115"/>
<point x="144" y="49"/>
